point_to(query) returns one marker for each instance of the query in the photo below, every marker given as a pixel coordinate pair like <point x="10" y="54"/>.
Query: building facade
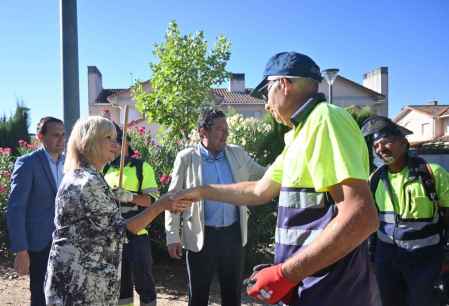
<point x="110" y="102"/>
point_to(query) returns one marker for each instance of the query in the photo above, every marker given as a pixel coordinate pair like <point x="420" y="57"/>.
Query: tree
<point x="360" y="114"/>
<point x="182" y="80"/>
<point x="15" y="127"/>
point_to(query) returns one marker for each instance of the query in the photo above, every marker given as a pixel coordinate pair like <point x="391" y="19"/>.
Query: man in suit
<point x="214" y="233"/>
<point x="31" y="205"/>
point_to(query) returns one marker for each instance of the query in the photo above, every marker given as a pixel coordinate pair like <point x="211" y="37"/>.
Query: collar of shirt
<point x="50" y="158"/>
<point x="304" y="110"/>
<point x="208" y="156"/>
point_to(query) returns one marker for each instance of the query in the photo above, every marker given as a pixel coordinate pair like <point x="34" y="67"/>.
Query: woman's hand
<point x="171" y="202"/>
<point x="122" y="195"/>
<point x="142" y="200"/>
<point x="192" y="195"/>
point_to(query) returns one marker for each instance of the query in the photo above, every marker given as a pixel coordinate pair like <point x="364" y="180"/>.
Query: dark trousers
<point x="137" y="271"/>
<point x="38" y="268"/>
<point x="222" y="254"/>
<point x="407" y="278"/>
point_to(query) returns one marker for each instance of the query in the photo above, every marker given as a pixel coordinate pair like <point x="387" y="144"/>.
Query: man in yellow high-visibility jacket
<point x="139" y="178"/>
<point x="412" y="198"/>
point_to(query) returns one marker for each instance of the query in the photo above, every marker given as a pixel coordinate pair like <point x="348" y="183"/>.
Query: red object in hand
<point x="270" y="284"/>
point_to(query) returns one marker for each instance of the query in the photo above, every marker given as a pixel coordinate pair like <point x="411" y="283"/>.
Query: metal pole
<point x="330" y="93"/>
<point x="69" y="64"/>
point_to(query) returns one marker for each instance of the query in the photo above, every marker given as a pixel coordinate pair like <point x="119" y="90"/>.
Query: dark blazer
<point x="31" y="205"/>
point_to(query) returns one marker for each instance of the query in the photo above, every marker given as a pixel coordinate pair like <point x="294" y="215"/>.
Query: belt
<point x="221" y="228"/>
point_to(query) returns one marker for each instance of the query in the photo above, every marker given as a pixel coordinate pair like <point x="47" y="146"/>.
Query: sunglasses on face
<point x="267" y="88"/>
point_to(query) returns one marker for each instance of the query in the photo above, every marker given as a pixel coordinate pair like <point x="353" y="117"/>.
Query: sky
<point x="410" y="37"/>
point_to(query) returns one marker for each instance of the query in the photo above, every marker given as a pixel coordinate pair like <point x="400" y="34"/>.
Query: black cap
<point x="289" y="64"/>
<point x="118" y="131"/>
<point x="378" y="127"/>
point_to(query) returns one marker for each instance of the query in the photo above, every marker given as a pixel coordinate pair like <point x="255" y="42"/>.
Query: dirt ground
<point x="170" y="280"/>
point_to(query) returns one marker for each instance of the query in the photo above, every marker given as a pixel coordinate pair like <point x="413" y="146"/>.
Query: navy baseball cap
<point x="289" y="64"/>
<point x="378" y="127"/>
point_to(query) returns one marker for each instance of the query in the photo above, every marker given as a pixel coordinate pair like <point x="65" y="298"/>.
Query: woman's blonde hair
<point x="83" y="144"/>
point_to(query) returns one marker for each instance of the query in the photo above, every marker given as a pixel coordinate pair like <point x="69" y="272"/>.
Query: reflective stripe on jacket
<point x="408" y="218"/>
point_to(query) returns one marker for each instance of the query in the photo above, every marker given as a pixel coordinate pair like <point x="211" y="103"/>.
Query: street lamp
<point x="330" y="75"/>
<point x="69" y="64"/>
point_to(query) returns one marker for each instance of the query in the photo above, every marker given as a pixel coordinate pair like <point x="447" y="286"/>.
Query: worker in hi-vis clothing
<point x="412" y="199"/>
<point x="139" y="178"/>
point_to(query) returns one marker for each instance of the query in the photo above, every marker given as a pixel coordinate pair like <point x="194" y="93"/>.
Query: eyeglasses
<point x="267" y="89"/>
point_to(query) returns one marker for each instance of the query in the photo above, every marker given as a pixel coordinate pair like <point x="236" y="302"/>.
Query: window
<point x="425" y="129"/>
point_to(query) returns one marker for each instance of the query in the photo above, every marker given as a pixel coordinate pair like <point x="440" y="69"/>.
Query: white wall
<point x="445" y="126"/>
<point x="344" y="94"/>
<point x="94" y="83"/>
<point x="420" y="124"/>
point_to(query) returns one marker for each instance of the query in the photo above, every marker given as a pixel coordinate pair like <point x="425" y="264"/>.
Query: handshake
<point x="171" y="201"/>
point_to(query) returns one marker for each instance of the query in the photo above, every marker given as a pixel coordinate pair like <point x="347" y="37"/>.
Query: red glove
<point x="270" y="285"/>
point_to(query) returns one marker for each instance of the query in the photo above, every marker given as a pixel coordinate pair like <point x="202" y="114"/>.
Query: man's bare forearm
<point x="141" y="220"/>
<point x="243" y="193"/>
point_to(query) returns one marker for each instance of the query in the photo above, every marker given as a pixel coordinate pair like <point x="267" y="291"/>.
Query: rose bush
<point x="6" y="165"/>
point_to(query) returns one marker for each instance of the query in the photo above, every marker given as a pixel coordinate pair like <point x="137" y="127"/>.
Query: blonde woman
<point x="85" y="256"/>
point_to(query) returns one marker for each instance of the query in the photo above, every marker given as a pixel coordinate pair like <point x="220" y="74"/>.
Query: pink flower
<point x="6" y="174"/>
<point x="3" y="189"/>
<point x="165" y="179"/>
<point x="136" y="154"/>
<point x="22" y="143"/>
<point x="5" y="151"/>
<point x="141" y="130"/>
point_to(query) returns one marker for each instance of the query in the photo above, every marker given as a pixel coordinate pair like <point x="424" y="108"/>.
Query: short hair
<point x="42" y="125"/>
<point x="300" y="83"/>
<point x="208" y="116"/>
<point x="83" y="144"/>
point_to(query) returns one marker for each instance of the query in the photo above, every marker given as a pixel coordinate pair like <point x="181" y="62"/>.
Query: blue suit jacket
<point x="31" y="205"/>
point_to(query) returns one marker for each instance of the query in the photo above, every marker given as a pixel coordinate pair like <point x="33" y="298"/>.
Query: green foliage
<point x="249" y="133"/>
<point x="160" y="156"/>
<point x="14" y="128"/>
<point x="6" y="165"/>
<point x="182" y="80"/>
<point x="263" y="138"/>
<point x="360" y="114"/>
<point x="273" y="142"/>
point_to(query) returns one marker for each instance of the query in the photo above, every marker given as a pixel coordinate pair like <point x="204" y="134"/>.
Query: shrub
<point x="14" y="128"/>
<point x="6" y="165"/>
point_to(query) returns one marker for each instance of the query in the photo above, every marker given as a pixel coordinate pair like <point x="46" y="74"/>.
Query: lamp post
<point x="330" y="75"/>
<point x="69" y="64"/>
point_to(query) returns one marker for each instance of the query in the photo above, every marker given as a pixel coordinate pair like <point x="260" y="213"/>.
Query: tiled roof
<point x="223" y="95"/>
<point x="226" y="97"/>
<point x="446" y="112"/>
<point x="127" y="91"/>
<point x="434" y="110"/>
<point x="105" y="93"/>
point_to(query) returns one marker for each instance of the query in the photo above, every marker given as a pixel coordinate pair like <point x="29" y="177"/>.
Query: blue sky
<point x="410" y="37"/>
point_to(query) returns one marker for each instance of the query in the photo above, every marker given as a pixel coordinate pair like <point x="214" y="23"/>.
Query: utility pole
<point x="69" y="64"/>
